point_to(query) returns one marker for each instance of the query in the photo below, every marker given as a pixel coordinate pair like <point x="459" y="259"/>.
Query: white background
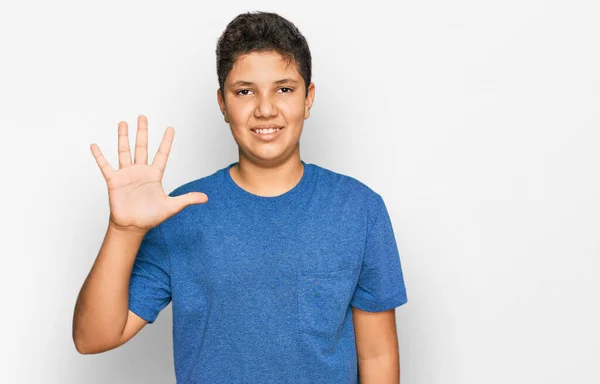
<point x="477" y="121"/>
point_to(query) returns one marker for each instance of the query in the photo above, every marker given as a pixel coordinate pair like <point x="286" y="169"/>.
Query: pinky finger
<point x="105" y="168"/>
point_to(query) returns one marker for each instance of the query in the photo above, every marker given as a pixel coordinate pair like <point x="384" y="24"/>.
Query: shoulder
<point x="204" y="184"/>
<point x="349" y="188"/>
<point x="188" y="219"/>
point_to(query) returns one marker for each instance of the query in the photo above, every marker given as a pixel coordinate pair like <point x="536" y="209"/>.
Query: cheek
<point x="293" y="112"/>
<point x="239" y="113"/>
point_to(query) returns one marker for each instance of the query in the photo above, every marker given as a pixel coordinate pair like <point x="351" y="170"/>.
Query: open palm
<point x="136" y="196"/>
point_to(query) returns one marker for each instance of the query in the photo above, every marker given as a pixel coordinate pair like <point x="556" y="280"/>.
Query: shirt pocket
<point x="323" y="300"/>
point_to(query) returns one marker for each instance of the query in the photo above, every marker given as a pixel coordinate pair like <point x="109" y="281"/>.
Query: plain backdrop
<point x="477" y="122"/>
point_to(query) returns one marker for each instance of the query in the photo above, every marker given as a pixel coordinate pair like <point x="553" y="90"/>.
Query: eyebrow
<point x="248" y="83"/>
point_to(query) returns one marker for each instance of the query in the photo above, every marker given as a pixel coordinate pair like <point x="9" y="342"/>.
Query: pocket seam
<point x="325" y="274"/>
<point x="304" y="302"/>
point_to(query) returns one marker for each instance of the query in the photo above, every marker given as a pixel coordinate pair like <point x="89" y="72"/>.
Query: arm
<point x="102" y="320"/>
<point x="138" y="204"/>
<point x="377" y="346"/>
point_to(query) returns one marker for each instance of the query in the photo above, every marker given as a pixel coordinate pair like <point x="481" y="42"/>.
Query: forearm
<point x="102" y="305"/>
<point x="383" y="369"/>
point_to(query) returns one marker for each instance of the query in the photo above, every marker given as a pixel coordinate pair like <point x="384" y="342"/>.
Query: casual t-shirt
<point x="262" y="287"/>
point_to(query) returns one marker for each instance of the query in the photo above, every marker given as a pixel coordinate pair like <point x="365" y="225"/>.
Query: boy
<point x="279" y="271"/>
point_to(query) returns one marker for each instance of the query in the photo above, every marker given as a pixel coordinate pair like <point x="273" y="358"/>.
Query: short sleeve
<point x="150" y="282"/>
<point x="380" y="284"/>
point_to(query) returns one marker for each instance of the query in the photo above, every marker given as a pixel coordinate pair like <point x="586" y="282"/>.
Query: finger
<point x="164" y="149"/>
<point x="178" y="203"/>
<point x="141" y="141"/>
<point x="105" y="168"/>
<point x="124" y="152"/>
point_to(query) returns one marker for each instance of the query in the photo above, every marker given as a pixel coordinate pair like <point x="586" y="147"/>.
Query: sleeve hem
<point x="142" y="311"/>
<point x="381" y="305"/>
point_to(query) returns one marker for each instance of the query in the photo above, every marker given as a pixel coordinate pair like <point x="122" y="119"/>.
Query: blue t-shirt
<point x="262" y="287"/>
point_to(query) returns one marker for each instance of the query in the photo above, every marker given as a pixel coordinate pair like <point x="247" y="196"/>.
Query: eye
<point x="288" y="90"/>
<point x="242" y="92"/>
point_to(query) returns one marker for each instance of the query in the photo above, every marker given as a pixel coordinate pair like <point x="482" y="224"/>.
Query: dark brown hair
<point x="261" y="32"/>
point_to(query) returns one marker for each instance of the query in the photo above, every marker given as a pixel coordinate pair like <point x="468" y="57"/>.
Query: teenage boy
<point x="278" y="270"/>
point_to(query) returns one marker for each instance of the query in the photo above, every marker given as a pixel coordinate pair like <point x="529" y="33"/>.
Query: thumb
<point x="177" y="203"/>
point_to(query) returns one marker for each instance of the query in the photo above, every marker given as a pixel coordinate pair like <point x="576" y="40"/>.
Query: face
<point x="263" y="91"/>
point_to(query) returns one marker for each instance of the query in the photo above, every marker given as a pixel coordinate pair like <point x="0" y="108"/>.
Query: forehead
<point x="262" y="66"/>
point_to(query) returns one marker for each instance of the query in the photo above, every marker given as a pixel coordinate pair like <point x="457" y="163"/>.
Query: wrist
<point x="129" y="231"/>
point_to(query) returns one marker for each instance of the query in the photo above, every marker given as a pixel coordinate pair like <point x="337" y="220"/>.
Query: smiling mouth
<point x="266" y="131"/>
<point x="267" y="134"/>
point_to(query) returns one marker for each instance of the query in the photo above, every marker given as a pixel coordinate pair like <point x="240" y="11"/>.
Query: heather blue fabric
<point x="262" y="287"/>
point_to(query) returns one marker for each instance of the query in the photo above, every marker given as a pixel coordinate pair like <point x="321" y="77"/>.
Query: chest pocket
<point x="323" y="300"/>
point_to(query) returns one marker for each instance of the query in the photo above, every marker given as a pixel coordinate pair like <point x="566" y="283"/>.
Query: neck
<point x="267" y="180"/>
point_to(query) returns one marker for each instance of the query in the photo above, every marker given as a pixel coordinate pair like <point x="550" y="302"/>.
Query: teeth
<point x="265" y="131"/>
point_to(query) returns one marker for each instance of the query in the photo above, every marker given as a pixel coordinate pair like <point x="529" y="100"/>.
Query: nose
<point x="265" y="107"/>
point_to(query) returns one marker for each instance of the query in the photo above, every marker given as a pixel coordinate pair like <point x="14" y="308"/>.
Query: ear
<point x="309" y="100"/>
<point x="222" y="105"/>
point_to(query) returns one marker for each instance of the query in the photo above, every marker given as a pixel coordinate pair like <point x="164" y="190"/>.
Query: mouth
<point x="267" y="133"/>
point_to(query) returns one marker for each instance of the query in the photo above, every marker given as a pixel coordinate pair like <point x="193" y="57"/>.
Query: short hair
<point x="262" y="32"/>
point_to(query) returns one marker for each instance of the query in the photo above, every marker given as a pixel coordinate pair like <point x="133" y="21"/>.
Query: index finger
<point x="162" y="154"/>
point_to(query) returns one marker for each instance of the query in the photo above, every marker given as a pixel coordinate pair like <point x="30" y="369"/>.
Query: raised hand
<point x="135" y="193"/>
